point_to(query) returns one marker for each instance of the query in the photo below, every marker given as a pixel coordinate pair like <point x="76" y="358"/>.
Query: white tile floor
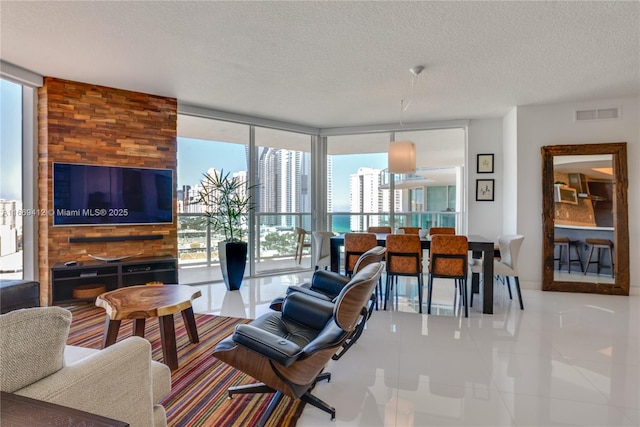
<point x="567" y="359"/>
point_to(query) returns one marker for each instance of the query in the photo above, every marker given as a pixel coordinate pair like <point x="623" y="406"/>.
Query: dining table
<point x="480" y="248"/>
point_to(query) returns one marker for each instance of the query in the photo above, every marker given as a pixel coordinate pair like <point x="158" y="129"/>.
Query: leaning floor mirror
<point x="585" y="220"/>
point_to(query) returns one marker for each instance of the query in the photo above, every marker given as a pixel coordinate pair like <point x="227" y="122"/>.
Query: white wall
<point x="485" y="218"/>
<point x="510" y="172"/>
<point x="542" y="125"/>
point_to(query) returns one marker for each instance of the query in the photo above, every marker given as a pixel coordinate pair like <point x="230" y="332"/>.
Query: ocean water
<point x="341" y="224"/>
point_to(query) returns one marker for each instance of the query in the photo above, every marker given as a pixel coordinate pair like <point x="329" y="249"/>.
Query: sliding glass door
<point x="283" y="199"/>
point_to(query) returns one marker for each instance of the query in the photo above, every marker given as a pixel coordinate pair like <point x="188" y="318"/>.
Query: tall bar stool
<point x="565" y="245"/>
<point x="600" y="245"/>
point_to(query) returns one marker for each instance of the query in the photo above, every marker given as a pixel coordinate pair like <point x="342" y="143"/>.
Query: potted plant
<point x="227" y="201"/>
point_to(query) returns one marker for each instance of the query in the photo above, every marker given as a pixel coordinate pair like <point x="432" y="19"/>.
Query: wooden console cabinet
<point x="112" y="275"/>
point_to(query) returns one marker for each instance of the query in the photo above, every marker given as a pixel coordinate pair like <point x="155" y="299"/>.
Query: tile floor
<point x="567" y="359"/>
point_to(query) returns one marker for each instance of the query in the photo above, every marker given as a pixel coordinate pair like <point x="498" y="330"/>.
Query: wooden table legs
<point x="167" y="333"/>
<point x="168" y="338"/>
<point x="190" y="322"/>
<point x="111" y="328"/>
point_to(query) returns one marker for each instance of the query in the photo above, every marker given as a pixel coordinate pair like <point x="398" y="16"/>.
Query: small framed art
<point x="484" y="190"/>
<point x="485" y="163"/>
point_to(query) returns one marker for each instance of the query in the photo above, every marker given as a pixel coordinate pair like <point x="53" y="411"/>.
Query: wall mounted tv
<point x="111" y="195"/>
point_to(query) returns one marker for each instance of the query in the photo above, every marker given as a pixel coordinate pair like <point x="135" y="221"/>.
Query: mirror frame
<point x="618" y="150"/>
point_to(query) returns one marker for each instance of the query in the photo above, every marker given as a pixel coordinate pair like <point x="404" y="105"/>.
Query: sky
<point x="10" y="140"/>
<point x="196" y="156"/>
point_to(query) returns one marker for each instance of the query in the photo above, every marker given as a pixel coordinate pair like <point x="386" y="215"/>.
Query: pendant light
<point x="402" y="154"/>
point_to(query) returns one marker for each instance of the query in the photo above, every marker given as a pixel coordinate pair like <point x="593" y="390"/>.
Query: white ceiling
<point x="333" y="63"/>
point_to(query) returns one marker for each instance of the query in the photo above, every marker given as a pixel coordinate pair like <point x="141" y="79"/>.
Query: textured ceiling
<point x="330" y="64"/>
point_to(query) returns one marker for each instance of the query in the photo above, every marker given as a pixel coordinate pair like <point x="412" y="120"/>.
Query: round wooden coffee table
<point x="141" y="302"/>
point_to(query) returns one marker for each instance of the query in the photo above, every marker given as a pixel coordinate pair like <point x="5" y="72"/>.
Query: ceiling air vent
<point x="598" y="114"/>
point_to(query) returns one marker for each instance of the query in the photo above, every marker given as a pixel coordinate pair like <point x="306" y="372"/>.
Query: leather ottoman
<point x="15" y="294"/>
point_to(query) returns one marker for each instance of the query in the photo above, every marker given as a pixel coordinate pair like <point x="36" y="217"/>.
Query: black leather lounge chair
<point x="288" y="350"/>
<point x="326" y="285"/>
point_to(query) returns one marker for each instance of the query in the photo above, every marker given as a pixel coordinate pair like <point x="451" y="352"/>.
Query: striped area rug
<point x="199" y="385"/>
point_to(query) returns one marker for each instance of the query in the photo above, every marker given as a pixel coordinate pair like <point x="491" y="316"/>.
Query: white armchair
<point x="119" y="382"/>
<point x="507" y="265"/>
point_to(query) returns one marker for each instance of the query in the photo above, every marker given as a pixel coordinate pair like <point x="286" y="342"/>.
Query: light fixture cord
<point x="403" y="107"/>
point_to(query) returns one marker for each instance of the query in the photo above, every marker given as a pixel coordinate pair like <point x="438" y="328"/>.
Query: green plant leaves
<point x="227" y="201"/>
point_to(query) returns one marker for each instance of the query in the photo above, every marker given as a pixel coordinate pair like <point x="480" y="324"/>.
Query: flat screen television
<point x="111" y="195"/>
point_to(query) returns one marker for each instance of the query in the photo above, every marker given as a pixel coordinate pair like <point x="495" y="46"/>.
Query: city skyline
<point x="201" y="155"/>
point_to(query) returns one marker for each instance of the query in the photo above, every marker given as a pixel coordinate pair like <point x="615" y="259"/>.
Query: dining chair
<point x="448" y="259"/>
<point x="404" y="258"/>
<point x="321" y="249"/>
<point x="302" y="243"/>
<point x="379" y="229"/>
<point x="356" y="244"/>
<point x="410" y="230"/>
<point x="507" y="265"/>
<point x="442" y="230"/>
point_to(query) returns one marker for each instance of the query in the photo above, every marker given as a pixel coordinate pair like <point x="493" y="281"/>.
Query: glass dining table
<point x="480" y="248"/>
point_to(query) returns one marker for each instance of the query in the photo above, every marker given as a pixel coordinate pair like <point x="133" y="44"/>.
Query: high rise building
<point x="366" y="196"/>
<point x="283" y="184"/>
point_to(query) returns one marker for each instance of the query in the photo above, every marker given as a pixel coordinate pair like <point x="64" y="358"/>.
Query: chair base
<point x="388" y="294"/>
<point x="307" y="397"/>
<point x="459" y="282"/>
<point x="508" y="285"/>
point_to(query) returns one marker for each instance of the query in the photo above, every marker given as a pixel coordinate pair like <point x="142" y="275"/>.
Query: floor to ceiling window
<point x="433" y="195"/>
<point x="204" y="146"/>
<point x="356" y="169"/>
<point x="12" y="210"/>
<point x="359" y="188"/>
<point x="359" y="193"/>
<point x="282" y="195"/>
<point x="283" y="199"/>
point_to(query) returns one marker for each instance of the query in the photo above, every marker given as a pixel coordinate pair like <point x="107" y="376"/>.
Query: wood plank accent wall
<point x="84" y="123"/>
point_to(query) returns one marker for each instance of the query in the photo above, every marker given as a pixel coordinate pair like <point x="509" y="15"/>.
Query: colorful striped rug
<point x="199" y="385"/>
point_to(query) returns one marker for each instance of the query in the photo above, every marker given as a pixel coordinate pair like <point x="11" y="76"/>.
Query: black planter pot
<point x="233" y="260"/>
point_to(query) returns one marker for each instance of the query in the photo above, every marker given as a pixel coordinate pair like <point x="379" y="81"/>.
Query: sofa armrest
<point x="115" y="382"/>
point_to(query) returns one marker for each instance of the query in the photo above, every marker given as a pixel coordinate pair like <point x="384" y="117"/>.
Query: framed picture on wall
<point x="484" y="190"/>
<point x="485" y="163"/>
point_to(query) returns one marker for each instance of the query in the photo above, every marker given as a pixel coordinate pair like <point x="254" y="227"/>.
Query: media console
<point x="112" y="275"/>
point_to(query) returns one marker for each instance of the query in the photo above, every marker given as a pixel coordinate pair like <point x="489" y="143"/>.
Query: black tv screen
<point x="111" y="195"/>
